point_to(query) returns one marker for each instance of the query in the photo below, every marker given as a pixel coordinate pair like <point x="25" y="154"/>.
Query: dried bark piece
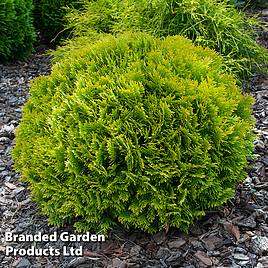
<point x="232" y="230"/>
<point x="201" y="256"/>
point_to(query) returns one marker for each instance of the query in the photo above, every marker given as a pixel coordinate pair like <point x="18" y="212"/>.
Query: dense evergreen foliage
<point x="210" y="23"/>
<point x="16" y="29"/>
<point x="133" y="129"/>
<point x="49" y="17"/>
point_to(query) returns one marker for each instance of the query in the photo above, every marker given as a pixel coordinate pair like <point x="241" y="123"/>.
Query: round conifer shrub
<point x="135" y="130"/>
<point x="16" y="29"/>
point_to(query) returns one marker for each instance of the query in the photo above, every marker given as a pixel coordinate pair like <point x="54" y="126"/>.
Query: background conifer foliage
<point x="209" y="23"/>
<point x="17" y="33"/>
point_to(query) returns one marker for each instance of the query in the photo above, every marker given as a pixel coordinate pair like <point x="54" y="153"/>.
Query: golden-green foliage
<point x="133" y="129"/>
<point x="16" y="29"/>
<point x="210" y="23"/>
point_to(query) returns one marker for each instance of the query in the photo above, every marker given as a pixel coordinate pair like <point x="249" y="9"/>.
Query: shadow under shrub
<point x="49" y="17"/>
<point x="210" y="23"/>
<point x="17" y="33"/>
<point x="133" y="129"/>
<point x="250" y="3"/>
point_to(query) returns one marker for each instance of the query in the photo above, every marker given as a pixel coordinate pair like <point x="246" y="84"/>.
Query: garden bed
<point x="235" y="236"/>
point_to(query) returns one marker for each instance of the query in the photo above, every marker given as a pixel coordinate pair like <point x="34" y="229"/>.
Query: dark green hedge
<point x="132" y="129"/>
<point x="16" y="29"/>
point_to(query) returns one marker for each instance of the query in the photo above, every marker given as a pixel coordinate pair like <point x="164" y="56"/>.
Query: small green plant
<point x="49" y="17"/>
<point x="16" y="29"/>
<point x="210" y="23"/>
<point x="133" y="129"/>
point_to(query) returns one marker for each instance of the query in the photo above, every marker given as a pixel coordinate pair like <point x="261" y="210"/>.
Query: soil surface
<point x="234" y="236"/>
